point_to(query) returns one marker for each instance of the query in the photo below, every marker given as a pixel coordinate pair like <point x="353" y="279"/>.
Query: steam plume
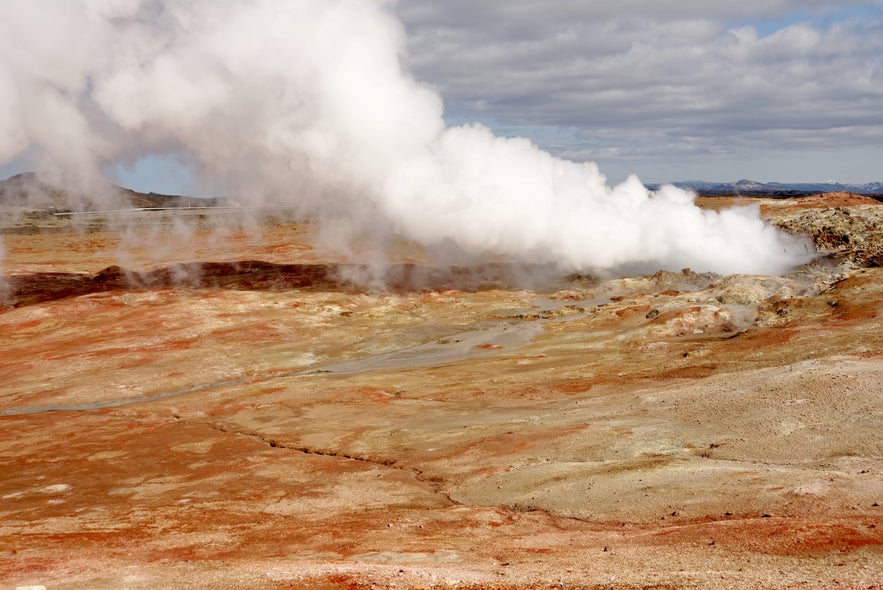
<point x="306" y="103"/>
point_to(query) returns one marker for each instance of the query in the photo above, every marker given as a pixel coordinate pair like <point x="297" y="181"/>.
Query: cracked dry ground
<point x="268" y="425"/>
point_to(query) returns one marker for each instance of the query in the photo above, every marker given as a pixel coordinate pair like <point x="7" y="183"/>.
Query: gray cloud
<point x="643" y="80"/>
<point x="305" y="104"/>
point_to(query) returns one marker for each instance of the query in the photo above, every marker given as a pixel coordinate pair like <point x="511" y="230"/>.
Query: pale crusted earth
<point x="274" y="425"/>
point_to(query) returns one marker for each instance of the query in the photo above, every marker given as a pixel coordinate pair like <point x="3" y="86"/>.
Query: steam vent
<point x="332" y="294"/>
<point x="267" y="415"/>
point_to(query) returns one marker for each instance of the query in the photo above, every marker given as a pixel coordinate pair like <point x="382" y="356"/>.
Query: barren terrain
<point x="181" y="407"/>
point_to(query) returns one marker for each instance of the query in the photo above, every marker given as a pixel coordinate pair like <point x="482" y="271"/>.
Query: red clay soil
<point x="263" y="422"/>
<point x="778" y="206"/>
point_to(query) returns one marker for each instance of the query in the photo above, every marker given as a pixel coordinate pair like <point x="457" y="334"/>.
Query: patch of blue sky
<point x="555" y="139"/>
<point x="156" y="174"/>
<point x="454" y="119"/>
<point x="561" y="141"/>
<point x="821" y="19"/>
<point x="539" y="134"/>
<point x="27" y="161"/>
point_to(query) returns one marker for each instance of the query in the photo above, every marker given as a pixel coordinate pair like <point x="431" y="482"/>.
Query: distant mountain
<point x="36" y="190"/>
<point x="775" y="189"/>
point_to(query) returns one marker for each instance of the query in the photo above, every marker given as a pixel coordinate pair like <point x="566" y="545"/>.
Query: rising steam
<point x="306" y="103"/>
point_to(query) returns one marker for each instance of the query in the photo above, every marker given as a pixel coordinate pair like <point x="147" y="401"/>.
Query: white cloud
<point x="636" y="77"/>
<point x="305" y="103"/>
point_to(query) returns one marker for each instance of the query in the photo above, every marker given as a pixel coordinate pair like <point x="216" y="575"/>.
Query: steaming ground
<point x="306" y="104"/>
<point x="267" y="423"/>
<point x="185" y="399"/>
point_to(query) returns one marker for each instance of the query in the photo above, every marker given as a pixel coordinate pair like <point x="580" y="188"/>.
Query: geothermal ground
<point x="183" y="408"/>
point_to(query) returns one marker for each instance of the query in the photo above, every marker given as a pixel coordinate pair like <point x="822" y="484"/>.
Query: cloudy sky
<point x="772" y="90"/>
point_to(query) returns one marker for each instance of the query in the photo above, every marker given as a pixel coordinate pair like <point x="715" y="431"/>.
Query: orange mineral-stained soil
<point x="238" y="411"/>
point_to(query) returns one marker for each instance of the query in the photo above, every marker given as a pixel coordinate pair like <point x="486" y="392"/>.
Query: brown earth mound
<point x="823" y="200"/>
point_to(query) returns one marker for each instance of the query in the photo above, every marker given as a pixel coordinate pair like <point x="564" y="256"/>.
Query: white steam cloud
<point x="306" y="103"/>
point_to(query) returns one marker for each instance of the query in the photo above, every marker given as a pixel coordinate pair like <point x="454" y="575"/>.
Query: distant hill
<point x="36" y="190"/>
<point x="776" y="189"/>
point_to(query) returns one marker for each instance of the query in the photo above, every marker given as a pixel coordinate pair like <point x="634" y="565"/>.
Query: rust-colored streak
<point x="170" y="423"/>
